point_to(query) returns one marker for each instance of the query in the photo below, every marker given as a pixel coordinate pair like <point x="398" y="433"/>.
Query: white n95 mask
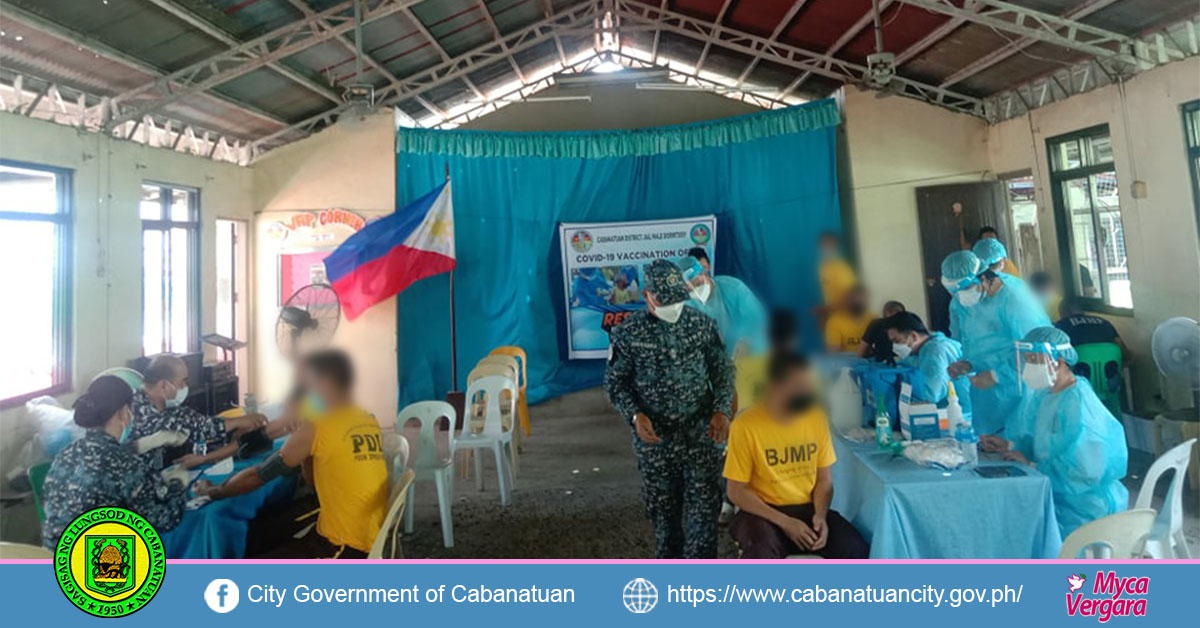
<point x="669" y="313"/>
<point x="702" y="292"/>
<point x="1038" y="376"/>
<point x="968" y="297"/>
<point x="901" y="351"/>
<point x="181" y="395"/>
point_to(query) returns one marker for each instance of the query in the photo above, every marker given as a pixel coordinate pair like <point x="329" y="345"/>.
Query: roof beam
<point x="1012" y="48"/>
<point x="277" y="44"/>
<point x="487" y="13"/>
<point x="719" y="21"/>
<point x="220" y="35"/>
<point x="933" y="37"/>
<point x="437" y="45"/>
<point x="658" y="35"/>
<point x="779" y="28"/>
<point x="1043" y="27"/>
<point x="791" y="56"/>
<point x="573" y="16"/>
<point x="547" y="11"/>
<point x="848" y="36"/>
<point x="99" y="49"/>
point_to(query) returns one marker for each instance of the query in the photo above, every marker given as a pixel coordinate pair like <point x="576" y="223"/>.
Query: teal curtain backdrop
<point x="770" y="177"/>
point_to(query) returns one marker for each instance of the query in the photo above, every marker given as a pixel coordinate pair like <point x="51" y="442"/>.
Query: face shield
<point x="968" y="291"/>
<point x="699" y="285"/>
<point x="1038" y="363"/>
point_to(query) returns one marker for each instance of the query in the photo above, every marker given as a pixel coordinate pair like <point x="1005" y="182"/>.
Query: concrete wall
<point x="895" y="146"/>
<point x="107" y="281"/>
<point x="1160" y="230"/>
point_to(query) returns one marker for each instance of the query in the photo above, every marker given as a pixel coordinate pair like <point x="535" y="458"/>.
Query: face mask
<point x="702" y="292"/>
<point x="313" y="406"/>
<point x="181" y="395"/>
<point x="669" y="313"/>
<point x="969" y="297"/>
<point x="800" y="403"/>
<point x="901" y="351"/>
<point x="828" y="254"/>
<point x="1038" y="376"/>
<point x="128" y="428"/>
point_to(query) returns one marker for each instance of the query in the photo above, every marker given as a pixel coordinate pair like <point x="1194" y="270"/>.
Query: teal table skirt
<point x="218" y="530"/>
<point x="908" y="511"/>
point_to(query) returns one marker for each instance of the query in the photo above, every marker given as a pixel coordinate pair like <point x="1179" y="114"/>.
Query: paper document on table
<point x="224" y="467"/>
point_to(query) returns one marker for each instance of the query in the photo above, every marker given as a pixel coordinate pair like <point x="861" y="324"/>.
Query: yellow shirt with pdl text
<point x="837" y="278"/>
<point x="844" y="330"/>
<point x="1010" y="268"/>
<point x="779" y="460"/>
<point x="351" y="477"/>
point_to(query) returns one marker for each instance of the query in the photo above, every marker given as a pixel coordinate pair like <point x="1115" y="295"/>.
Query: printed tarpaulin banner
<point x="602" y="271"/>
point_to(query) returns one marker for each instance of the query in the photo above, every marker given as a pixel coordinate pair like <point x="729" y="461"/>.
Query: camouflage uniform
<point x="147" y="419"/>
<point x="677" y="374"/>
<point x="97" y="471"/>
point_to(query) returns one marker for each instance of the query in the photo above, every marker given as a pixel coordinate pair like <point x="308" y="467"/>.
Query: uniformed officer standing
<point x="669" y="375"/>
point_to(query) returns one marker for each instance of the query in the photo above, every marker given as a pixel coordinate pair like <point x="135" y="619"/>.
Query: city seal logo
<point x="110" y="562"/>
<point x="700" y="234"/>
<point x="581" y="241"/>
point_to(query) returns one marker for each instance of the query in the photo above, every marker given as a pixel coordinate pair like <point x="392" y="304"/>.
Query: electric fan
<point x="308" y="320"/>
<point x="1175" y="346"/>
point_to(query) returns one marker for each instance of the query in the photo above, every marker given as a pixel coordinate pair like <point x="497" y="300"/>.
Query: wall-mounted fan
<point x="308" y="320"/>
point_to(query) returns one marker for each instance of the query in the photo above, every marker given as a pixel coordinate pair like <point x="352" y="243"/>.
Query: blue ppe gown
<point x="1072" y="438"/>
<point x="739" y="314"/>
<point x="933" y="360"/>
<point x="987" y="332"/>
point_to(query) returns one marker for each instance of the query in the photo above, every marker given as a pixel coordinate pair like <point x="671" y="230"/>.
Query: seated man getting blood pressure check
<point x="339" y="449"/>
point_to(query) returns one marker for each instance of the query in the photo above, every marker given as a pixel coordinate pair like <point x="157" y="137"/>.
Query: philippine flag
<point x="388" y="255"/>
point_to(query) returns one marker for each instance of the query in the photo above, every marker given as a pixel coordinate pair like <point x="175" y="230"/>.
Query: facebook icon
<point x="222" y="595"/>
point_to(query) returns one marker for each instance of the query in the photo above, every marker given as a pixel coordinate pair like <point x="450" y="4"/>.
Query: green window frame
<point x="1091" y="241"/>
<point x="1191" y="136"/>
<point x="62" y="219"/>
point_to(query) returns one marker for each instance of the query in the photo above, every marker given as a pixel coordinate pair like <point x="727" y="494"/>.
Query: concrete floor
<point x="577" y="496"/>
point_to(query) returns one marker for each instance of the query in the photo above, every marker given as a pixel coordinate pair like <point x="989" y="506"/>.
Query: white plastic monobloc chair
<point x="1166" y="537"/>
<point x="487" y="394"/>
<point x="429" y="462"/>
<point x="396" y="505"/>
<point x="1117" y="536"/>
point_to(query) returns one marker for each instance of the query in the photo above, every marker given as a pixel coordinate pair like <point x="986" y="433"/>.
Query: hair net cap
<point x="990" y="250"/>
<point x="690" y="267"/>
<point x="1057" y="339"/>
<point x="961" y="265"/>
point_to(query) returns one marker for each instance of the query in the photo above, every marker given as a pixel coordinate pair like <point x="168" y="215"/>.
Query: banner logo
<point x="640" y="596"/>
<point x="109" y="562"/>
<point x="1111" y="596"/>
<point x="581" y="241"/>
<point x="701" y="234"/>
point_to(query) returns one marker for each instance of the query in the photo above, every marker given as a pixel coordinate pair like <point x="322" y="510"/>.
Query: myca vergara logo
<point x="110" y="562"/>
<point x="1111" y="596"/>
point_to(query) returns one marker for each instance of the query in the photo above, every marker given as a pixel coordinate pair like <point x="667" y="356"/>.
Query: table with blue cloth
<point x="908" y="511"/>
<point x="218" y="529"/>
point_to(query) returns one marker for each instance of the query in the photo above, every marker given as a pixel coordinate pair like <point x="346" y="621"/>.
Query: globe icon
<point x="640" y="596"/>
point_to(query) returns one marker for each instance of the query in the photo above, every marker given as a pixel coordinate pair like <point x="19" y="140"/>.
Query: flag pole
<point x="453" y="324"/>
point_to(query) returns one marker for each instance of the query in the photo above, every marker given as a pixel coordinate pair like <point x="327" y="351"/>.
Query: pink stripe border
<point x="644" y="561"/>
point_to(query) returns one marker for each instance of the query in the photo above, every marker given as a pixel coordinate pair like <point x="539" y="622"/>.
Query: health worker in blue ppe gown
<point x="931" y="354"/>
<point x="1063" y="429"/>
<point x="590" y="288"/>
<point x="740" y="317"/>
<point x="989" y="312"/>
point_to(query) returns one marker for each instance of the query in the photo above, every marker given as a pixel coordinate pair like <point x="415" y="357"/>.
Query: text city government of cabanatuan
<point x="458" y="593"/>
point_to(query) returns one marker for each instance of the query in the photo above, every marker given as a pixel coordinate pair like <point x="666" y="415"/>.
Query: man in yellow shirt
<point x="778" y="467"/>
<point x="835" y="274"/>
<point x="846" y="327"/>
<point x="996" y="257"/>
<point x="339" y="448"/>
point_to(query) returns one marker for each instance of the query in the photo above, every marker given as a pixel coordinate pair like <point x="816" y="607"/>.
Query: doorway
<point x="232" y="295"/>
<point x="950" y="217"/>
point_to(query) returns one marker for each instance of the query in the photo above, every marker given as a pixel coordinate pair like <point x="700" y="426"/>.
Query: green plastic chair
<point x="37" y="478"/>
<point x="1096" y="356"/>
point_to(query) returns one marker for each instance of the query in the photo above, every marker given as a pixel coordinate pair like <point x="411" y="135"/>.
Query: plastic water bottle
<point x="200" y="446"/>
<point x="250" y="403"/>
<point x="962" y="429"/>
<point x="883" y="425"/>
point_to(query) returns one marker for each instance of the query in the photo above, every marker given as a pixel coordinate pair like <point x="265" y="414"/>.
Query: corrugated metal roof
<point x="129" y="43"/>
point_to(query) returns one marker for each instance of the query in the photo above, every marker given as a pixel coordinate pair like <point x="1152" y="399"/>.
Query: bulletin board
<point x="299" y="269"/>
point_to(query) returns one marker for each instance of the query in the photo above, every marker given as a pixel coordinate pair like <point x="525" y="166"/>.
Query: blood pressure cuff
<point x="274" y="467"/>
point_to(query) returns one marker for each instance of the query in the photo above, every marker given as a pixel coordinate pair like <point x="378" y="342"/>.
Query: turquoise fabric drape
<point x="770" y="177"/>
